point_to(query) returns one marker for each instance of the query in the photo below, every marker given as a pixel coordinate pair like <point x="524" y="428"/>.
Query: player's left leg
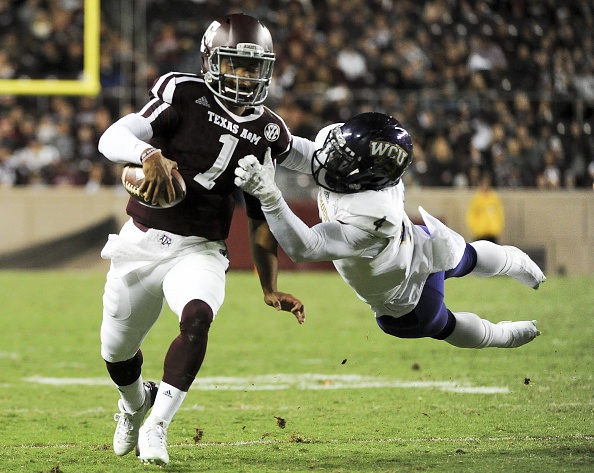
<point x="194" y="289"/>
<point x="470" y="331"/>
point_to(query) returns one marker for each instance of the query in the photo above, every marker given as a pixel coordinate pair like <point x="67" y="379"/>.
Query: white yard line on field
<point x="307" y="381"/>
<point x="10" y="356"/>
<point x="518" y="438"/>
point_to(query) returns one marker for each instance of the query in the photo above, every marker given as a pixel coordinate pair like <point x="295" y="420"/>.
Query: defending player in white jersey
<point x="394" y="266"/>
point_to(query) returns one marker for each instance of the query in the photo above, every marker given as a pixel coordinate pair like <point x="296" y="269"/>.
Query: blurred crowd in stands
<point x="498" y="86"/>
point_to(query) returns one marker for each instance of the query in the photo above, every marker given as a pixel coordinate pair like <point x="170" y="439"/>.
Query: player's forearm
<point x="300" y="242"/>
<point x="263" y="248"/>
<point x="126" y="139"/>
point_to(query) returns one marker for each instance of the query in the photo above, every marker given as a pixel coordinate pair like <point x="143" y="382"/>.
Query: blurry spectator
<point x="522" y="69"/>
<point x="580" y="152"/>
<point x="7" y="69"/>
<point x="166" y="49"/>
<point x="62" y="109"/>
<point x="502" y="169"/>
<point x="95" y="179"/>
<point x="487" y="57"/>
<point x="352" y="64"/>
<point x="34" y="163"/>
<point x="551" y="176"/>
<point x="440" y="163"/>
<point x="530" y="155"/>
<point x="85" y="112"/>
<point x="563" y="70"/>
<point x="485" y="216"/>
<point x="414" y="64"/>
<point x="522" y="109"/>
<point x="7" y="173"/>
<point x="102" y="120"/>
<point x="46" y="129"/>
<point x="63" y="140"/>
<point x="86" y="144"/>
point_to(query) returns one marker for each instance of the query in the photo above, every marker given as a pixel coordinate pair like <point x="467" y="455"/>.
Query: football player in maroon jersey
<point x="201" y="125"/>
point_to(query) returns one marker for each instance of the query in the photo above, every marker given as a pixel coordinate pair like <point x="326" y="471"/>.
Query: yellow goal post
<point x="88" y="85"/>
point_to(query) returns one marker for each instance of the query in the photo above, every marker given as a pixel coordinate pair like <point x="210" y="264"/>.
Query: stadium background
<point x="506" y="86"/>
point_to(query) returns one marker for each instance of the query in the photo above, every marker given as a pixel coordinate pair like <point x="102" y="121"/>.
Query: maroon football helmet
<point x="237" y="59"/>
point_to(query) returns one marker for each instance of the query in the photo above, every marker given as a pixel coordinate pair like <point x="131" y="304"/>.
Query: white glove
<point x="258" y="179"/>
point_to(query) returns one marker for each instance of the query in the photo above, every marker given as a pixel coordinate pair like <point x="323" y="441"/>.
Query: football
<point x="133" y="177"/>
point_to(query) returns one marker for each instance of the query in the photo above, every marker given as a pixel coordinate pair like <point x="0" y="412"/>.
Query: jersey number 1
<point x="206" y="179"/>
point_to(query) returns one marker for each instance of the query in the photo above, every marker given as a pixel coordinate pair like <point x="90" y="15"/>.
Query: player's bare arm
<point x="264" y="248"/>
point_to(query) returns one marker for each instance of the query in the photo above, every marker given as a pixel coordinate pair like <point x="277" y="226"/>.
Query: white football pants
<point x="133" y="302"/>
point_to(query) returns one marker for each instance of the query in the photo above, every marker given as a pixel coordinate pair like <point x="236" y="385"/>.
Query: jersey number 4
<point x="206" y="179"/>
<point x="379" y="222"/>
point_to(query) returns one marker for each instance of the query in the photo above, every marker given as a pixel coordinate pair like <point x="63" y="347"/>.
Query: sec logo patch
<point x="272" y="132"/>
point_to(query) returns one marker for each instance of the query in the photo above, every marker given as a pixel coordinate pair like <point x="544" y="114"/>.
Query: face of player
<point x="238" y="72"/>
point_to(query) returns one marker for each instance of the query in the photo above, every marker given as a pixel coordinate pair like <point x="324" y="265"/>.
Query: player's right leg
<point x="129" y="311"/>
<point x="493" y="260"/>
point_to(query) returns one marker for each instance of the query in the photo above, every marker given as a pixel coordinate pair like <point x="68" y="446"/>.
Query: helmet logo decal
<point x="209" y="35"/>
<point x="384" y="149"/>
<point x="272" y="132"/>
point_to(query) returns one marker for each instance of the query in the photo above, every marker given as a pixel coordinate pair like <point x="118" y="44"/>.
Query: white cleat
<point x="126" y="433"/>
<point x="152" y="443"/>
<point x="523" y="269"/>
<point x="520" y="332"/>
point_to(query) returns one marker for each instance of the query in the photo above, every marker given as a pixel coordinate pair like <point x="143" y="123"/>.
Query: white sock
<point x="473" y="332"/>
<point x="168" y="401"/>
<point x="491" y="259"/>
<point x="132" y="395"/>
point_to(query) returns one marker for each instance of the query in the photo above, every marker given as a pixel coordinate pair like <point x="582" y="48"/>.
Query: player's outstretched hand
<point x="258" y="179"/>
<point x="286" y="302"/>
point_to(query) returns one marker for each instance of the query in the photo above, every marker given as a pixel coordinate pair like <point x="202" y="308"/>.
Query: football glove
<point x="258" y="179"/>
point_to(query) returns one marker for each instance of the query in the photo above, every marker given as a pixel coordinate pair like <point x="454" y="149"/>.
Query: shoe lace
<point x="124" y="424"/>
<point x="157" y="436"/>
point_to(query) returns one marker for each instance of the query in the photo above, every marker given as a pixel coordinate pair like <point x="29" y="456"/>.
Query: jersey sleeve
<point x="279" y="135"/>
<point x="124" y="140"/>
<point x="161" y="111"/>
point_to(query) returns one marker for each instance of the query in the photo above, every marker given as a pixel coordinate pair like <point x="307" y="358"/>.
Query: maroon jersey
<point x="192" y="128"/>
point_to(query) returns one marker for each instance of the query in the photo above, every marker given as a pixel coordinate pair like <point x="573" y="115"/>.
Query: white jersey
<point x="390" y="280"/>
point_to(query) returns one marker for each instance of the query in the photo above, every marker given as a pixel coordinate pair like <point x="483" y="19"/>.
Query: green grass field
<point x="335" y="394"/>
